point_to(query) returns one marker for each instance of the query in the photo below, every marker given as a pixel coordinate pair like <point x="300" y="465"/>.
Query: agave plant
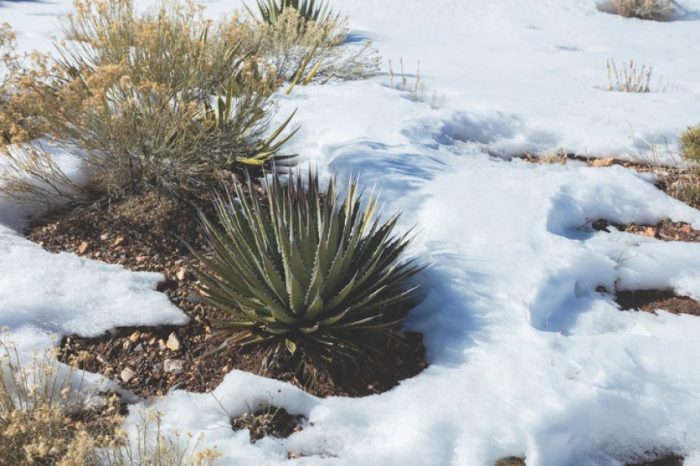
<point x="310" y="10"/>
<point x="299" y="268"/>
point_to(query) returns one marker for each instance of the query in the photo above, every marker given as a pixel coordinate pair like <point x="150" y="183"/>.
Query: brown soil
<point x="665" y="230"/>
<point x="654" y="300"/>
<point x="149" y="234"/>
<point x="269" y="421"/>
<point x="668" y="460"/>
<point x="511" y="461"/>
<point x="680" y="183"/>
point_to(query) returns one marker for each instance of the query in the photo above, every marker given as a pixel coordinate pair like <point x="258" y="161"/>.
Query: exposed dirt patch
<point x="666" y="460"/>
<point x="654" y="300"/>
<point x="269" y="421"/>
<point x="511" y="461"/>
<point x="665" y="230"/>
<point x="149" y="234"/>
<point x="682" y="183"/>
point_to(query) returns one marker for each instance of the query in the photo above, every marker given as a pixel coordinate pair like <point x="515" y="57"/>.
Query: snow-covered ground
<point x="527" y="358"/>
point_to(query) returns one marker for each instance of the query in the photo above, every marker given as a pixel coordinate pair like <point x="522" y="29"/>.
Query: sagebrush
<point x="134" y="92"/>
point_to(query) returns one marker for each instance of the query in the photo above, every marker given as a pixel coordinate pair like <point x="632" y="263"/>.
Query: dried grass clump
<point x="690" y="144"/>
<point x="45" y="418"/>
<point x="629" y="78"/>
<point x="301" y="51"/>
<point x="48" y="419"/>
<point x="20" y="106"/>
<point x="655" y="10"/>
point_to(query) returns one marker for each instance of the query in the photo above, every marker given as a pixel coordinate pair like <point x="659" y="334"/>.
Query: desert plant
<point x="20" y="106"/>
<point x="300" y="269"/>
<point x="299" y="51"/>
<point x="45" y="416"/>
<point x="630" y="78"/>
<point x="151" y="445"/>
<point x="134" y="93"/>
<point x="309" y="10"/>
<point x="690" y="144"/>
<point x="49" y="416"/>
<point x="656" y="10"/>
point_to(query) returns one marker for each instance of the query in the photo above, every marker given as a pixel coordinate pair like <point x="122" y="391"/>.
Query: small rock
<point x="181" y="274"/>
<point x="173" y="366"/>
<point x="84" y="246"/>
<point x="126" y="345"/>
<point x="173" y="343"/>
<point x="140" y="259"/>
<point x="104" y="236"/>
<point x="161" y="344"/>
<point x="650" y="231"/>
<point x="118" y="241"/>
<point x="135" y="336"/>
<point x="127" y="375"/>
<point x="603" y="162"/>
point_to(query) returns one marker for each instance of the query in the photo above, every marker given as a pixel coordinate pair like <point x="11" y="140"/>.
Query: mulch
<point x="151" y="234"/>
<point x="654" y="300"/>
<point x="665" y="230"/>
<point x="682" y="183"/>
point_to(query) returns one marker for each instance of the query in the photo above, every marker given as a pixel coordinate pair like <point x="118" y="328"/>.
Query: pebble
<point x="135" y="336"/>
<point x="82" y="249"/>
<point x="118" y="241"/>
<point x="173" y="343"/>
<point x="181" y="274"/>
<point x="173" y="366"/>
<point x="127" y="375"/>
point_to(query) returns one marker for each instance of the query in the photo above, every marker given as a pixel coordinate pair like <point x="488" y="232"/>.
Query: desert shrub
<point x="690" y="144"/>
<point x="309" y="10"/>
<point x="304" y="272"/>
<point x="150" y="445"/>
<point x="47" y="419"/>
<point x="301" y="51"/>
<point x="134" y="93"/>
<point x="656" y="10"/>
<point x="20" y="106"/>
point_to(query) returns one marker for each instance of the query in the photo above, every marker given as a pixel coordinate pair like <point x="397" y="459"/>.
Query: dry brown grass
<point x="47" y="418"/>
<point x="630" y="77"/>
<point x="301" y="51"/>
<point x="655" y="10"/>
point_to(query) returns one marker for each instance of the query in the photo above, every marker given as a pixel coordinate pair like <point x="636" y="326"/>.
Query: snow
<point x="526" y="356"/>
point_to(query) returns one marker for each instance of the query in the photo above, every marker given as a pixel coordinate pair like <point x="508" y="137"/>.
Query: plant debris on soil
<point x="682" y="183"/>
<point x="665" y="230"/>
<point x="510" y="461"/>
<point x="654" y="300"/>
<point x="150" y="234"/>
<point x="667" y="460"/>
<point x="269" y="421"/>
